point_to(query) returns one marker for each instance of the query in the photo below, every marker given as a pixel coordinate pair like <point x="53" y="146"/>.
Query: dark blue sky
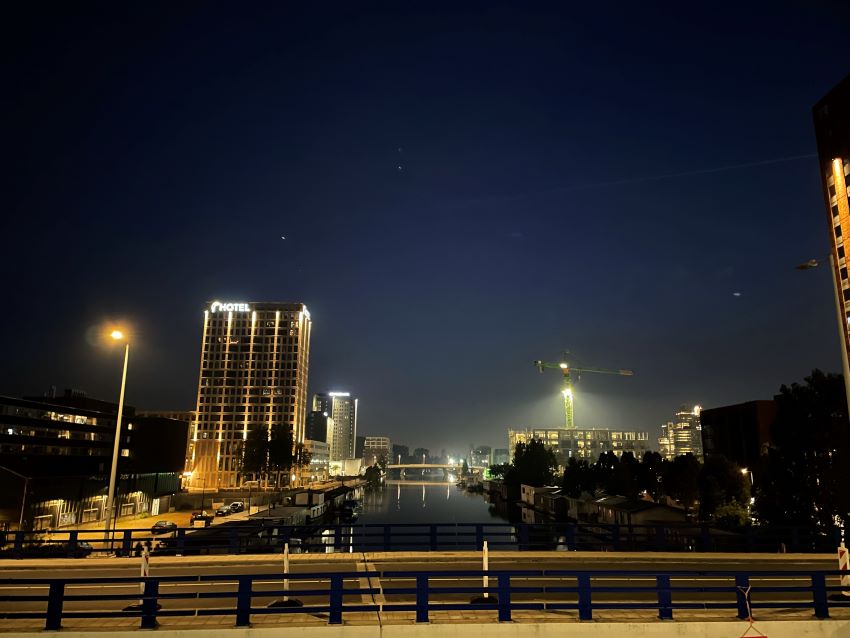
<point x="158" y="154"/>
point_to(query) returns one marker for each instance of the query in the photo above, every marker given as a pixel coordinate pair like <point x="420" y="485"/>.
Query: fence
<point x="267" y="537"/>
<point x="420" y="592"/>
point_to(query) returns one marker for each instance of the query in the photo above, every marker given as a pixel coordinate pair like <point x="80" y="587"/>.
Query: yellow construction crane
<point x="567" y="385"/>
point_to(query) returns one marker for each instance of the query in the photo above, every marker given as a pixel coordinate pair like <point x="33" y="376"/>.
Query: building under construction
<point x="582" y="444"/>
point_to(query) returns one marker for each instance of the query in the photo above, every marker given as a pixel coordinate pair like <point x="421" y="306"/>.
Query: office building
<point x="582" y="443"/>
<point x="480" y="456"/>
<point x="342" y="408"/>
<point x="683" y="435"/>
<point x="832" y="131"/>
<point x="254" y="364"/>
<point x="319" y="467"/>
<point x="319" y="427"/>
<point x="188" y="417"/>
<point x="63" y="446"/>
<point x="739" y="432"/>
<point x="375" y="448"/>
<point x="500" y="456"/>
<point x="400" y="453"/>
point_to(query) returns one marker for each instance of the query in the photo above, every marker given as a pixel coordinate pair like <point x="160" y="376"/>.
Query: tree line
<point x="800" y="480"/>
<point x="266" y="454"/>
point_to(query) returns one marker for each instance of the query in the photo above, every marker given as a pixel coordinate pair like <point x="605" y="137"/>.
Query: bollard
<point x="844" y="579"/>
<point x="486" y="580"/>
<point x="486" y="599"/>
<point x="145" y="571"/>
<point x="148" y="592"/>
<point x="286" y="601"/>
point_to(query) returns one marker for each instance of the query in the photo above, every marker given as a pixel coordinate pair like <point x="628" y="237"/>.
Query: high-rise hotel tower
<point x="254" y="363"/>
<point x="832" y="130"/>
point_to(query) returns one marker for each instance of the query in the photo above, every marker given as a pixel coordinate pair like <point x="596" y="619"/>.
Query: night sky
<point x="462" y="191"/>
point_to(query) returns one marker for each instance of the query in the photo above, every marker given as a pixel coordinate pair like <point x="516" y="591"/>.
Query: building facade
<point x="187" y="416"/>
<point x="400" y="453"/>
<point x="319" y="427"/>
<point x="832" y="131"/>
<point x="375" y="448"/>
<point x="342" y="408"/>
<point x="480" y="456"/>
<point x="582" y="444"/>
<point x="319" y="467"/>
<point x="500" y="456"/>
<point x="683" y="435"/>
<point x="63" y="446"/>
<point x="741" y="432"/>
<point x="253" y="376"/>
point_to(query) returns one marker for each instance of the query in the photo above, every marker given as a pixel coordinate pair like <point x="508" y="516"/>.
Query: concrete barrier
<point x="443" y="629"/>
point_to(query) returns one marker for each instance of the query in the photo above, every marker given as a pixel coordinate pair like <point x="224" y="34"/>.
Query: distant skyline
<point x="453" y="193"/>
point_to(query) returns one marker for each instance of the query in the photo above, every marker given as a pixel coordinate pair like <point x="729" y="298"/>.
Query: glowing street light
<point x="117" y="335"/>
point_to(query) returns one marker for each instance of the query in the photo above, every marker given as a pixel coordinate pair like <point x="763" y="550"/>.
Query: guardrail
<point x="340" y="594"/>
<point x="267" y="536"/>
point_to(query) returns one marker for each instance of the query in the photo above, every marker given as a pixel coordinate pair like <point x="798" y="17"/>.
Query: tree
<point x="604" y="469"/>
<point x="625" y="478"/>
<point x="579" y="477"/>
<point x="302" y="456"/>
<point x="534" y="464"/>
<point x="280" y="449"/>
<point x="650" y="474"/>
<point x="255" y="452"/>
<point x="464" y="469"/>
<point x="499" y="471"/>
<point x="373" y="475"/>
<point x="722" y="484"/>
<point x="679" y="479"/>
<point x="802" y="480"/>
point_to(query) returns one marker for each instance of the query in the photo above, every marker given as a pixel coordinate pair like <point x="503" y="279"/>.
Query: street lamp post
<point x="23" y="498"/>
<point x="118" y="336"/>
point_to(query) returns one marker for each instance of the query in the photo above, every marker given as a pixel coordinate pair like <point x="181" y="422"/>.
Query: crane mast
<point x="567" y="385"/>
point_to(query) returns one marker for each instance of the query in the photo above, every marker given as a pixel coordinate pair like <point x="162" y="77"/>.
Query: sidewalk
<point x="94" y="530"/>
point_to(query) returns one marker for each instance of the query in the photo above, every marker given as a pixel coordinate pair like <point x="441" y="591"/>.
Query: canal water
<point x="425" y="502"/>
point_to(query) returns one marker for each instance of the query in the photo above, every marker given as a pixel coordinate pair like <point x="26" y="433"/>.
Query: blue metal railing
<point x="266" y="536"/>
<point x="421" y="592"/>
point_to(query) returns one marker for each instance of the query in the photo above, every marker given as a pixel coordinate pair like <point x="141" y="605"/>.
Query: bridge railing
<point x="269" y="537"/>
<point x="733" y="594"/>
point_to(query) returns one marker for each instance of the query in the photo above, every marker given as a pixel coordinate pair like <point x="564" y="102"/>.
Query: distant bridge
<point x="422" y="466"/>
<point x="429" y="466"/>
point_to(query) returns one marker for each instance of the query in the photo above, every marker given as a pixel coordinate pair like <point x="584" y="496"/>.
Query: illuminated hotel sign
<point x="217" y="306"/>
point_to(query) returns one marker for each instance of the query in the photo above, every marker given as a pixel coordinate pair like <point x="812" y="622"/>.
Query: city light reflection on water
<point x="424" y="502"/>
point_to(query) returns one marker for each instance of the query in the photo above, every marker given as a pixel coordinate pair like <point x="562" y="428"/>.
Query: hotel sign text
<point x="217" y="306"/>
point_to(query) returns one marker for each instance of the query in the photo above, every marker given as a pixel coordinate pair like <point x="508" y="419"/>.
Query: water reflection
<point x="425" y="501"/>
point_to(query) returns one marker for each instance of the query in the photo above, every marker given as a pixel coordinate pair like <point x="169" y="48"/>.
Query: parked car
<point x="224" y="510"/>
<point x="163" y="527"/>
<point x="237" y="506"/>
<point x="202" y="516"/>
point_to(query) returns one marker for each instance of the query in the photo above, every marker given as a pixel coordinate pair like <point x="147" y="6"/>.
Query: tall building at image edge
<point x="832" y="131"/>
<point x="342" y="408"/>
<point x="253" y="375"/>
